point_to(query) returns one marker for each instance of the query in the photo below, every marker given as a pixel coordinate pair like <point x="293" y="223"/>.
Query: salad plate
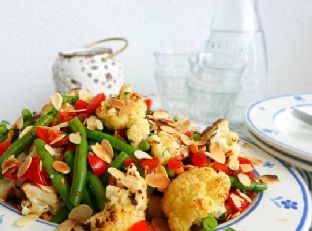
<point x="283" y="123"/>
<point x="278" y="208"/>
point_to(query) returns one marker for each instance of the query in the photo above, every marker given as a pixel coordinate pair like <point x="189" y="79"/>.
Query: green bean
<point x="21" y="144"/>
<point x="210" y="223"/>
<point x="70" y="99"/>
<point x="80" y="163"/>
<point x="3" y="128"/>
<point x="69" y="158"/>
<point x="118" y="144"/>
<point x="97" y="189"/>
<point x="254" y="186"/>
<point x="116" y="163"/>
<point x="87" y="199"/>
<point x="229" y="229"/>
<point x="3" y="137"/>
<point x="58" y="180"/>
<point x="61" y="216"/>
<point x="170" y="173"/>
<point x="144" y="145"/>
<point x="27" y="117"/>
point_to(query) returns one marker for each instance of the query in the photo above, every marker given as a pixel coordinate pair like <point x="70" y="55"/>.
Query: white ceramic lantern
<point x="92" y="67"/>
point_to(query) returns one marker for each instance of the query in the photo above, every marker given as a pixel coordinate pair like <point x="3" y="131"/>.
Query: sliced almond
<point x="186" y="140"/>
<point x="50" y="150"/>
<point x="101" y="152"/>
<point x="169" y="122"/>
<point x="85" y="95"/>
<point x="161" y="170"/>
<point x="56" y="100"/>
<point x="244" y="196"/>
<point x="117" y="103"/>
<point x="26" y="220"/>
<point x="127" y="109"/>
<point x="19" y="123"/>
<point x="66" y="225"/>
<point x="142" y="155"/>
<point x="61" y="167"/>
<point x="244" y="179"/>
<point x="157" y="180"/>
<point x="246" y="167"/>
<point x="237" y="200"/>
<point x="75" y="138"/>
<point x="81" y="213"/>
<point x="161" y="114"/>
<point x="216" y="153"/>
<point x="168" y="129"/>
<point x="269" y="179"/>
<point x="61" y="125"/>
<point x="108" y="147"/>
<point x="184" y="126"/>
<point x="116" y="173"/>
<point x="8" y="163"/>
<point x="78" y="228"/>
<point x="200" y="143"/>
<point x="94" y="123"/>
<point x="24" y="166"/>
<point x="254" y="160"/>
<point x="60" y="137"/>
<point x="25" y="131"/>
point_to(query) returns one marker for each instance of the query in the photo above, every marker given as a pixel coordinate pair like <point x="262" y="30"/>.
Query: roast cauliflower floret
<point x="193" y="195"/>
<point x="138" y="131"/>
<point x="164" y="146"/>
<point x="40" y="200"/>
<point x="126" y="202"/>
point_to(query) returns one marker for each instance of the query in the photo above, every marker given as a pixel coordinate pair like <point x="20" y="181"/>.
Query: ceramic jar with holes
<point x="92" y="67"/>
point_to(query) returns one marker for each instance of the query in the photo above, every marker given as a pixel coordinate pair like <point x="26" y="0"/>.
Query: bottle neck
<point x="236" y="16"/>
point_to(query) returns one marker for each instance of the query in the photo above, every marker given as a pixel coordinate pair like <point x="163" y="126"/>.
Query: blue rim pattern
<point x="247" y="116"/>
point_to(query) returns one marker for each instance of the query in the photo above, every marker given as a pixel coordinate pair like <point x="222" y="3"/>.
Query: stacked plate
<point x="282" y="126"/>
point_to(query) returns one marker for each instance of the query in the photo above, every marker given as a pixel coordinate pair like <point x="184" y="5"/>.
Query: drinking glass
<point x="172" y="70"/>
<point x="213" y="86"/>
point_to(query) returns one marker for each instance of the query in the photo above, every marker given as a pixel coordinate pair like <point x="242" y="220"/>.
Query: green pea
<point x="196" y="137"/>
<point x="144" y="145"/>
<point x="170" y="173"/>
<point x="210" y="223"/>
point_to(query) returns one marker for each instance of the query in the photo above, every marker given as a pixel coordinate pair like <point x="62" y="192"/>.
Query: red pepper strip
<point x="80" y="104"/>
<point x="60" y="142"/>
<point x="233" y="207"/>
<point x="66" y="116"/>
<point x="221" y="167"/>
<point x="150" y="163"/>
<point x="11" y="173"/>
<point x="95" y="103"/>
<point x="174" y="163"/>
<point x="97" y="165"/>
<point x="243" y="160"/>
<point x="6" y="144"/>
<point x="142" y="226"/>
<point x="47" y="134"/>
<point x="129" y="161"/>
<point x="199" y="159"/>
<point x="149" y="103"/>
<point x="34" y="174"/>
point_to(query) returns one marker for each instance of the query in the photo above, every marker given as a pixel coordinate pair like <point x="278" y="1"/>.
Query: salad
<point x="91" y="162"/>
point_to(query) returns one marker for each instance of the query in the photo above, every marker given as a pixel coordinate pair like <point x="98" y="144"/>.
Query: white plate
<point x="273" y="121"/>
<point x="278" y="208"/>
<point x="281" y="155"/>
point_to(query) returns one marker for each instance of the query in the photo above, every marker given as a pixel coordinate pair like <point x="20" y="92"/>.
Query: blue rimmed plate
<point x="284" y="206"/>
<point x="274" y="122"/>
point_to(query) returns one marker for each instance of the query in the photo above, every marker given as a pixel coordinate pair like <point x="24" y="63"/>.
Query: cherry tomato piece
<point x="234" y="207"/>
<point x="221" y="167"/>
<point x="6" y="144"/>
<point x="65" y="116"/>
<point x="149" y="103"/>
<point x="11" y="173"/>
<point x="35" y="173"/>
<point x="199" y="159"/>
<point x="142" y="226"/>
<point x="47" y="134"/>
<point x="60" y="142"/>
<point x="150" y="163"/>
<point x="243" y="160"/>
<point x="80" y="104"/>
<point x="174" y="163"/>
<point x="95" y="103"/>
<point x="97" y="165"/>
<point x="129" y="161"/>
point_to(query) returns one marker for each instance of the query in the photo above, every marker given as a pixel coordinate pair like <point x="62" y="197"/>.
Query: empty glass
<point x="171" y="72"/>
<point x="213" y="86"/>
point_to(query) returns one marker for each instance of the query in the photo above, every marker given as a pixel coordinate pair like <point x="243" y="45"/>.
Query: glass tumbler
<point x="213" y="87"/>
<point x="172" y="70"/>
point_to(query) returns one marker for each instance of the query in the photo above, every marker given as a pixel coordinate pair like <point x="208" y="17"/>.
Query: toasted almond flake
<point x="127" y="109"/>
<point x="101" y="152"/>
<point x="19" y="123"/>
<point x="117" y="103"/>
<point x="66" y="225"/>
<point x="244" y="196"/>
<point x="269" y="179"/>
<point x="50" y="150"/>
<point x="11" y="157"/>
<point x="168" y="129"/>
<point x="61" y="125"/>
<point x="246" y="167"/>
<point x="161" y="170"/>
<point x="139" y="154"/>
<point x="216" y="153"/>
<point x="189" y="167"/>
<point x="237" y="200"/>
<point x="8" y="163"/>
<point x="26" y="220"/>
<point x="78" y="228"/>
<point x="60" y="137"/>
<point x="116" y="173"/>
<point x="81" y="213"/>
<point x="200" y="143"/>
<point x="254" y="160"/>
<point x="85" y="95"/>
<point x="108" y="147"/>
<point x="75" y="138"/>
<point x="184" y="126"/>
<point x="56" y="100"/>
<point x="24" y="166"/>
<point x="161" y="115"/>
<point x="94" y="123"/>
<point x="150" y="117"/>
<point x="25" y="131"/>
<point x="186" y="140"/>
<point x="157" y="180"/>
<point x="244" y="179"/>
<point x="61" y="167"/>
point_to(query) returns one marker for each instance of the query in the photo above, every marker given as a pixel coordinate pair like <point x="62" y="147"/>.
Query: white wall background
<point x="32" y="32"/>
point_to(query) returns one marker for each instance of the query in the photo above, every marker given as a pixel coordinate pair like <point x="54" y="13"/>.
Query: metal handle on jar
<point x="114" y="53"/>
